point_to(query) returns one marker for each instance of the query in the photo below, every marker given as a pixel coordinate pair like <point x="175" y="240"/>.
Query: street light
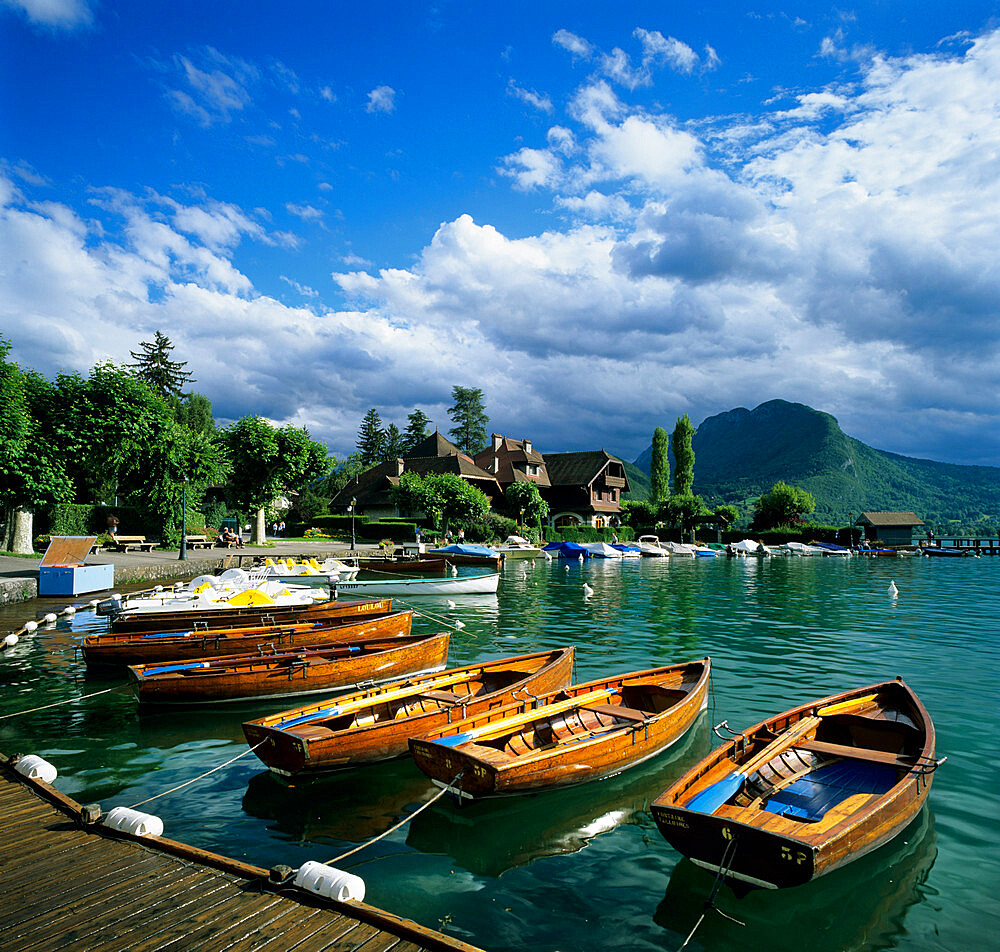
<point x="182" y="557"/>
<point x="351" y="510"/>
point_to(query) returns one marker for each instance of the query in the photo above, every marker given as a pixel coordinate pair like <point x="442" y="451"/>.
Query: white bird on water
<point x="893" y="591"/>
<point x="451" y="604"/>
<point x="587" y="590"/>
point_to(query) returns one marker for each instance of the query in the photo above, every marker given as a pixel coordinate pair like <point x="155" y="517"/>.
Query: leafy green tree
<point x="32" y="470"/>
<point x="340" y="474"/>
<point x="153" y="364"/>
<point x="684" y="511"/>
<point x="727" y="515"/>
<point x="524" y="499"/>
<point x="470" y="419"/>
<point x="267" y="461"/>
<point x="659" y="468"/>
<point x="393" y="445"/>
<point x="683" y="456"/>
<point x="195" y="412"/>
<point x="782" y="506"/>
<point x="412" y="494"/>
<point x="461" y="502"/>
<point x="416" y="429"/>
<point x="371" y="438"/>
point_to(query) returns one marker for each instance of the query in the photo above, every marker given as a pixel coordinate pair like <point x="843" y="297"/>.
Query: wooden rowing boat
<point x="580" y="733"/>
<point x="805" y="792"/>
<point x="405" y="566"/>
<point x="370" y="726"/>
<point x="118" y="649"/>
<point x="149" y="622"/>
<point x="324" y="668"/>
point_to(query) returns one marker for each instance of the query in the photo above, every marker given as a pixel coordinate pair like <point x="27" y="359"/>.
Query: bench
<point x="123" y="543"/>
<point x="197" y="542"/>
<point x="856" y="753"/>
<point x="447" y="696"/>
<point x="223" y="544"/>
<point x="624" y="713"/>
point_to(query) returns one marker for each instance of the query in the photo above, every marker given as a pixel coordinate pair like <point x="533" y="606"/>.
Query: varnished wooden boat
<point x="127" y="649"/>
<point x="573" y="735"/>
<point x="151" y="622"/>
<point x="325" y="668"/>
<point x="405" y="566"/>
<point x="805" y="792"/>
<point x="370" y="726"/>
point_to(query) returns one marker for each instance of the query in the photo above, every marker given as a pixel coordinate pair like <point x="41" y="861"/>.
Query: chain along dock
<point x="70" y="882"/>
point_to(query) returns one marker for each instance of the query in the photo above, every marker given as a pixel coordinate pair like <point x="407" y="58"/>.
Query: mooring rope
<point x="68" y="700"/>
<point x="187" y="783"/>
<point x="720" y="876"/>
<point x="406" y="819"/>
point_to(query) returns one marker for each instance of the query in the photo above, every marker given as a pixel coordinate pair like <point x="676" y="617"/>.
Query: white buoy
<point x="132" y="821"/>
<point x="35" y="768"/>
<point x="548" y="556"/>
<point x="454" y="570"/>
<point x="10" y="641"/>
<point x="93" y="603"/>
<point x="581" y="556"/>
<point x="459" y="624"/>
<point x="893" y="591"/>
<point x="157" y="588"/>
<point x="587" y="590"/>
<point x="69" y="610"/>
<point x="49" y="619"/>
<point x="330" y="882"/>
<point x="451" y="604"/>
<point x="566" y="567"/>
<point x="30" y="626"/>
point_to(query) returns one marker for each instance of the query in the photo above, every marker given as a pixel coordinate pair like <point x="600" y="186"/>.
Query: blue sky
<point x="602" y="215"/>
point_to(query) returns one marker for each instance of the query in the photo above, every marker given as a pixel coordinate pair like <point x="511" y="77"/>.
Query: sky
<point x="602" y="216"/>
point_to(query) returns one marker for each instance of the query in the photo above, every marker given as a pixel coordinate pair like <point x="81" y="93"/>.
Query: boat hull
<point x="404" y="587"/>
<point x="381" y="729"/>
<point x="753" y="845"/>
<point x="572" y="745"/>
<point x="312" y="671"/>
<point x="117" y="649"/>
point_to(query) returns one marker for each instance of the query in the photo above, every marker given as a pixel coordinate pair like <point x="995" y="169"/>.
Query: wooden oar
<point x="845" y="705"/>
<point x="502" y="727"/>
<point x="713" y="796"/>
<point x="394" y="695"/>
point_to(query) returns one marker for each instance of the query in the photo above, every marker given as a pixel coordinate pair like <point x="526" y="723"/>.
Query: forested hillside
<point x="740" y="454"/>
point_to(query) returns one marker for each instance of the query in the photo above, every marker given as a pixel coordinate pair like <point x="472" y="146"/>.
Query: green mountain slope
<point x="742" y="453"/>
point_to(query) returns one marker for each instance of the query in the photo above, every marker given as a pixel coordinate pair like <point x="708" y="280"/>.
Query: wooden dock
<point x="66" y="884"/>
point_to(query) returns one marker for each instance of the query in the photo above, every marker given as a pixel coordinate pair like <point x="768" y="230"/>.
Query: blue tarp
<point x="829" y="546"/>
<point x="810" y="797"/>
<point x="567" y="550"/>
<point x="462" y="548"/>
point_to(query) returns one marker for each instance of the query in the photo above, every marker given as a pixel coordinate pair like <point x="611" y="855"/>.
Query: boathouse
<point x="890" y="528"/>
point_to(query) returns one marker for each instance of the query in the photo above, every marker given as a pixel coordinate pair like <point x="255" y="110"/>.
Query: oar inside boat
<point x="713" y="796"/>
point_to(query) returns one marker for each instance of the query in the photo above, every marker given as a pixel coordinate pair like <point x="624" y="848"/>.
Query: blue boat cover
<point x="567" y="550"/>
<point x="466" y="549"/>
<point x="829" y="546"/>
<point x="810" y="797"/>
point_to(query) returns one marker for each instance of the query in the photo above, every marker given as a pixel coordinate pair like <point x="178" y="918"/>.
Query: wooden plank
<point x="856" y="753"/>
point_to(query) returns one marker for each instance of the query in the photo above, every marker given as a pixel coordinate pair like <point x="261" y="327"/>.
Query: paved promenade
<point x="19" y="576"/>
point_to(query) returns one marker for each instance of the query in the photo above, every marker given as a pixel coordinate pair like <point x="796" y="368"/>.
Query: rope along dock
<point x="70" y="885"/>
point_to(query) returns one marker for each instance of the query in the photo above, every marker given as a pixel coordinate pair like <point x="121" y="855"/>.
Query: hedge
<point x="589" y="534"/>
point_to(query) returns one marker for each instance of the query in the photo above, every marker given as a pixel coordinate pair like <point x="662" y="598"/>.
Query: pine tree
<point x="416" y="429"/>
<point x="683" y="456"/>
<point x="393" y="445"/>
<point x="659" y="468"/>
<point x="153" y="364"/>
<point x="371" y="438"/>
<point x="470" y="419"/>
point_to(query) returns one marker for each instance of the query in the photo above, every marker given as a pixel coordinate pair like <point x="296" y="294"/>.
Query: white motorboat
<point x="798" y="548"/>
<point x="601" y="550"/>
<point x="485" y="584"/>
<point x="650" y="545"/>
<point x="517" y="547"/>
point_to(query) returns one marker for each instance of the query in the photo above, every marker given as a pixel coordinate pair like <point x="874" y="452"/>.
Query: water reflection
<point x="488" y="837"/>
<point x="861" y="905"/>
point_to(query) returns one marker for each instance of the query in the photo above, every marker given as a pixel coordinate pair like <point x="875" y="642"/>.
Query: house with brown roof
<point x="890" y="528"/>
<point x="513" y="461"/>
<point x="585" y="488"/>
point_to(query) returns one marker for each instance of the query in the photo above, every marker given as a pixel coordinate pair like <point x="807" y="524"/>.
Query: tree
<point x="195" y="412"/>
<point x="683" y="511"/>
<point x="782" y="506"/>
<point x="411" y="494"/>
<point x="339" y="476"/>
<point x="470" y="419"/>
<point x="153" y="364"/>
<point x="659" y="468"/>
<point x="371" y="438"/>
<point x="393" y="445"/>
<point x="683" y="456"/>
<point x="727" y="515"/>
<point x="416" y="429"/>
<point x="460" y="501"/>
<point x="266" y="462"/>
<point x="523" y="499"/>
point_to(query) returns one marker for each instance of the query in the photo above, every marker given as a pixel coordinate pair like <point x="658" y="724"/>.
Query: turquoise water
<point x="585" y="868"/>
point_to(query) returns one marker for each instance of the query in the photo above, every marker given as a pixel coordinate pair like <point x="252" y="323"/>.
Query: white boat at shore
<point x="517" y="547"/>
<point x="485" y="584"/>
<point x="650" y="545"/>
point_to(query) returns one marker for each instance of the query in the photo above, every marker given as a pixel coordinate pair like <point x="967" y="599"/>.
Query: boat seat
<point x="447" y="696"/>
<point x="624" y="713"/>
<point x="855" y="753"/>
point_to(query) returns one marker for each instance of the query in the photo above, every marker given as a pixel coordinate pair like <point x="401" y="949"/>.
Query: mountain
<point x="741" y="453"/>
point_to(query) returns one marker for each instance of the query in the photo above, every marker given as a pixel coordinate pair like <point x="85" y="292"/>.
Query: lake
<point x="585" y="868"/>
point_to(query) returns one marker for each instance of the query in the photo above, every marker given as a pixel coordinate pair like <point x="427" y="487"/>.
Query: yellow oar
<point x="392" y="695"/>
<point x="845" y="705"/>
<point x="497" y="728"/>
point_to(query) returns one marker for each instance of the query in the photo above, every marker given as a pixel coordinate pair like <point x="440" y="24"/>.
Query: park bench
<point x="197" y="542"/>
<point x="123" y="543"/>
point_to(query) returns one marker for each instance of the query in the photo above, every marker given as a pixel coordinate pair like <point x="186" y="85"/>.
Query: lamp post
<point x="354" y="502"/>
<point x="182" y="556"/>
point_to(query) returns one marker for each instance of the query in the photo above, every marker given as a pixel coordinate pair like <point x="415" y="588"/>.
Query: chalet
<point x="890" y="528"/>
<point x="585" y="488"/>
<point x="513" y="461"/>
